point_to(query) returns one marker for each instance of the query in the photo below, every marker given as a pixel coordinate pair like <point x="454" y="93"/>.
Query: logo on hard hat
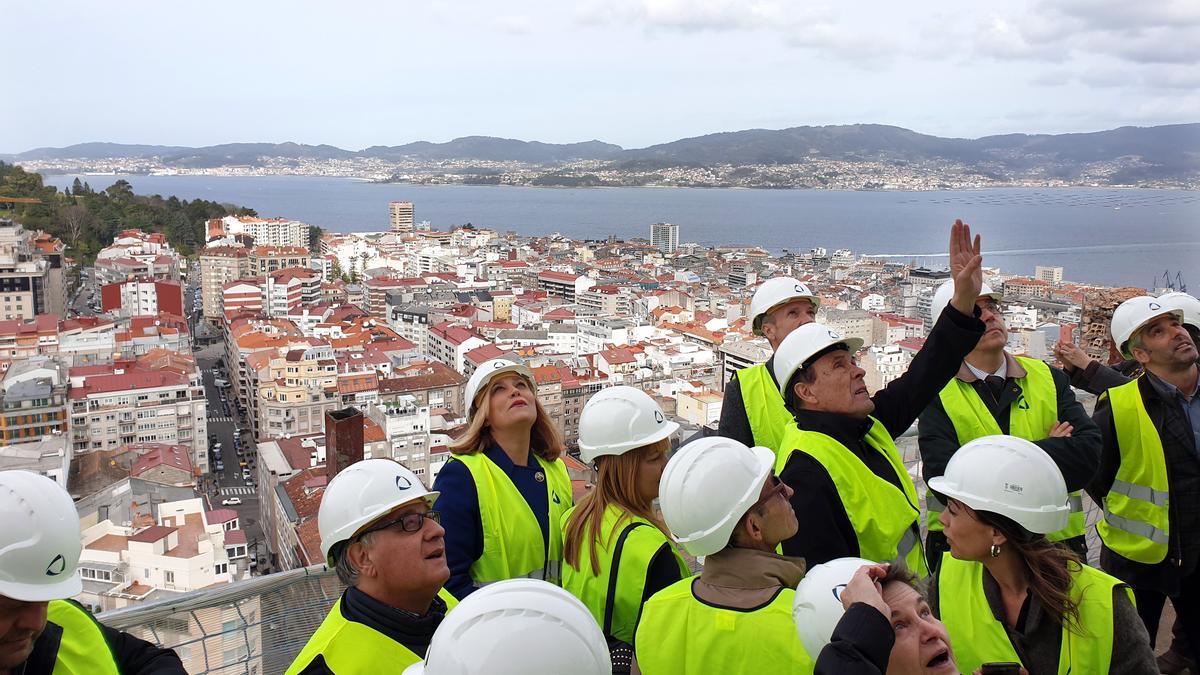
<point x="801" y="289"/>
<point x="837" y="591"/>
<point x="1013" y="487"/>
<point x="403" y="483"/>
<point x="1155" y="306"/>
<point x="499" y="365"/>
<point x="56" y="566"/>
<point x="658" y="416"/>
<point x="835" y="335"/>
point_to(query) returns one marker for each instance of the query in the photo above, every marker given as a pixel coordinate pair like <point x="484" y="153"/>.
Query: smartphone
<point x="1001" y="668"/>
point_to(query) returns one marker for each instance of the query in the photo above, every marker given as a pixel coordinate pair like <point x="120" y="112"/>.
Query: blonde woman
<point x="617" y="553"/>
<point x="504" y="489"/>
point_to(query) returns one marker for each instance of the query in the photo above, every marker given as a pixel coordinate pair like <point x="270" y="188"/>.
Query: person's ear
<point x="804" y="393"/>
<point x="360" y="557"/>
<point x="1140" y="355"/>
<point x="998" y="537"/>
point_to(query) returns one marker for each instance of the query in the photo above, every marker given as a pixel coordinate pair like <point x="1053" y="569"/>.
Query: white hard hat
<point x="360" y="494"/>
<point x="619" y="419"/>
<point x="817" y="605"/>
<point x="1009" y="476"/>
<point x="1188" y="304"/>
<point x="775" y="292"/>
<point x="517" y="627"/>
<point x="39" y="543"/>
<point x="490" y="369"/>
<point x="802" y="344"/>
<point x="945" y="292"/>
<point x="707" y="487"/>
<point x="1136" y="312"/>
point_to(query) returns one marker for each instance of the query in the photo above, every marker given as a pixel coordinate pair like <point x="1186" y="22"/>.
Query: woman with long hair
<point x="1007" y="593"/>
<point x="504" y="489"/>
<point x="617" y="550"/>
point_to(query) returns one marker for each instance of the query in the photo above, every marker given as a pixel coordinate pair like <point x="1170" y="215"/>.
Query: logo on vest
<point x="555" y="494"/>
<point x="56" y="566"/>
<point x="403" y="483"/>
<point x="658" y="416"/>
<point x="539" y="477"/>
<point x="1022" y="404"/>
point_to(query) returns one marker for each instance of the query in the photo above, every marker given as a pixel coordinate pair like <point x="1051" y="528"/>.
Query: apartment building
<point x="449" y="343"/>
<point x="220" y="265"/>
<point x="432" y="384"/>
<point x="405" y="427"/>
<point x="159" y="398"/>
<point x="142" y="297"/>
<point x="267" y="259"/>
<point x="34" y="393"/>
<point x="264" y="231"/>
<point x="295" y="389"/>
<point x="32" y="273"/>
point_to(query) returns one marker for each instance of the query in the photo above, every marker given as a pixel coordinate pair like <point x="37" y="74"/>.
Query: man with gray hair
<point x="380" y="533"/>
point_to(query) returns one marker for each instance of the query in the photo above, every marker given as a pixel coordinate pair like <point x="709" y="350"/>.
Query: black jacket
<point x="827" y="533"/>
<point x="1077" y="456"/>
<point x="1183" y="477"/>
<point x="133" y="655"/>
<point x="1098" y="378"/>
<point x="734" y="422"/>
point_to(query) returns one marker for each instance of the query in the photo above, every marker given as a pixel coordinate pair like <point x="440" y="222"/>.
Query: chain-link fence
<point x="255" y="627"/>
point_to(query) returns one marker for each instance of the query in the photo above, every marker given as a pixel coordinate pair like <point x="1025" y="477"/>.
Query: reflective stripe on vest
<point x="624" y="550"/>
<point x="1031" y="417"/>
<point x="884" y="517"/>
<point x="513" y="546"/>
<point x="681" y="635"/>
<point x="765" y="410"/>
<point x="979" y="638"/>
<point x="83" y="649"/>
<point x="353" y="648"/>
<point x="1136" y="523"/>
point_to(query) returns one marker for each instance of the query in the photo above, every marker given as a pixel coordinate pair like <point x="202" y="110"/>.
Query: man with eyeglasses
<point x="996" y="392"/>
<point x="380" y="533"/>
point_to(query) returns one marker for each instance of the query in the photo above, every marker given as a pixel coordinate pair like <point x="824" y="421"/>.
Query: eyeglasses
<point x="409" y="522"/>
<point x="778" y="487"/>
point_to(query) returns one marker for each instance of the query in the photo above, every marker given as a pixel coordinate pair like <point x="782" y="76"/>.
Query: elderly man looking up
<point x="378" y="530"/>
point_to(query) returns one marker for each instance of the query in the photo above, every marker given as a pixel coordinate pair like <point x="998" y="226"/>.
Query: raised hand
<point x="966" y="267"/>
<point x="864" y="587"/>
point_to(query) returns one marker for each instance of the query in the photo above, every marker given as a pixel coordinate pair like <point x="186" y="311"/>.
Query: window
<point x="169" y="576"/>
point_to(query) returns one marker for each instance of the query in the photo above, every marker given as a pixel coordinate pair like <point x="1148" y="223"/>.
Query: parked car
<point x="232" y="501"/>
<point x="220" y="466"/>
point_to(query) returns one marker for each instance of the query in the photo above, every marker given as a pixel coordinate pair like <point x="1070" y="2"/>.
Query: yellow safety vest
<point x="353" y="648"/>
<point x="884" y="517"/>
<point x="682" y="635"/>
<point x="513" y="546"/>
<point x="1029" y="417"/>
<point x="624" y="548"/>
<point x="83" y="649"/>
<point x="1136" y="523"/>
<point x="765" y="410"/>
<point x="979" y="638"/>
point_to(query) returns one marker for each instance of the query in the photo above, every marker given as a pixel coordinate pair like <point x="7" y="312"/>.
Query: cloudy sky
<point x="631" y="72"/>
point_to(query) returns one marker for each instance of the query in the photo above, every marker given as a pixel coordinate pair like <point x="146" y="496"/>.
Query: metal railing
<point x="253" y="627"/>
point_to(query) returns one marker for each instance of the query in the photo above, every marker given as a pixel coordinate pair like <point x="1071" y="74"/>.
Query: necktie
<point x="996" y="384"/>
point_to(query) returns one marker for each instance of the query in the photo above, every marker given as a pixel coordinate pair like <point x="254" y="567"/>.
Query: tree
<point x="335" y="270"/>
<point x="76" y="186"/>
<point x="74" y="219"/>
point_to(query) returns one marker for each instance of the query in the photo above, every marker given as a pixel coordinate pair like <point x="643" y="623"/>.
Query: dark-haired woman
<point x="1005" y="592"/>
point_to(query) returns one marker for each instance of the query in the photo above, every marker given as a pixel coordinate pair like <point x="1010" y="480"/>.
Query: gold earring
<point x="995" y="550"/>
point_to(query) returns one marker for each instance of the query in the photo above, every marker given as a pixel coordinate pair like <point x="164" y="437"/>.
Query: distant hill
<point x="471" y="147"/>
<point x="1164" y="150"/>
<point x="1170" y="151"/>
<point x="492" y="149"/>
